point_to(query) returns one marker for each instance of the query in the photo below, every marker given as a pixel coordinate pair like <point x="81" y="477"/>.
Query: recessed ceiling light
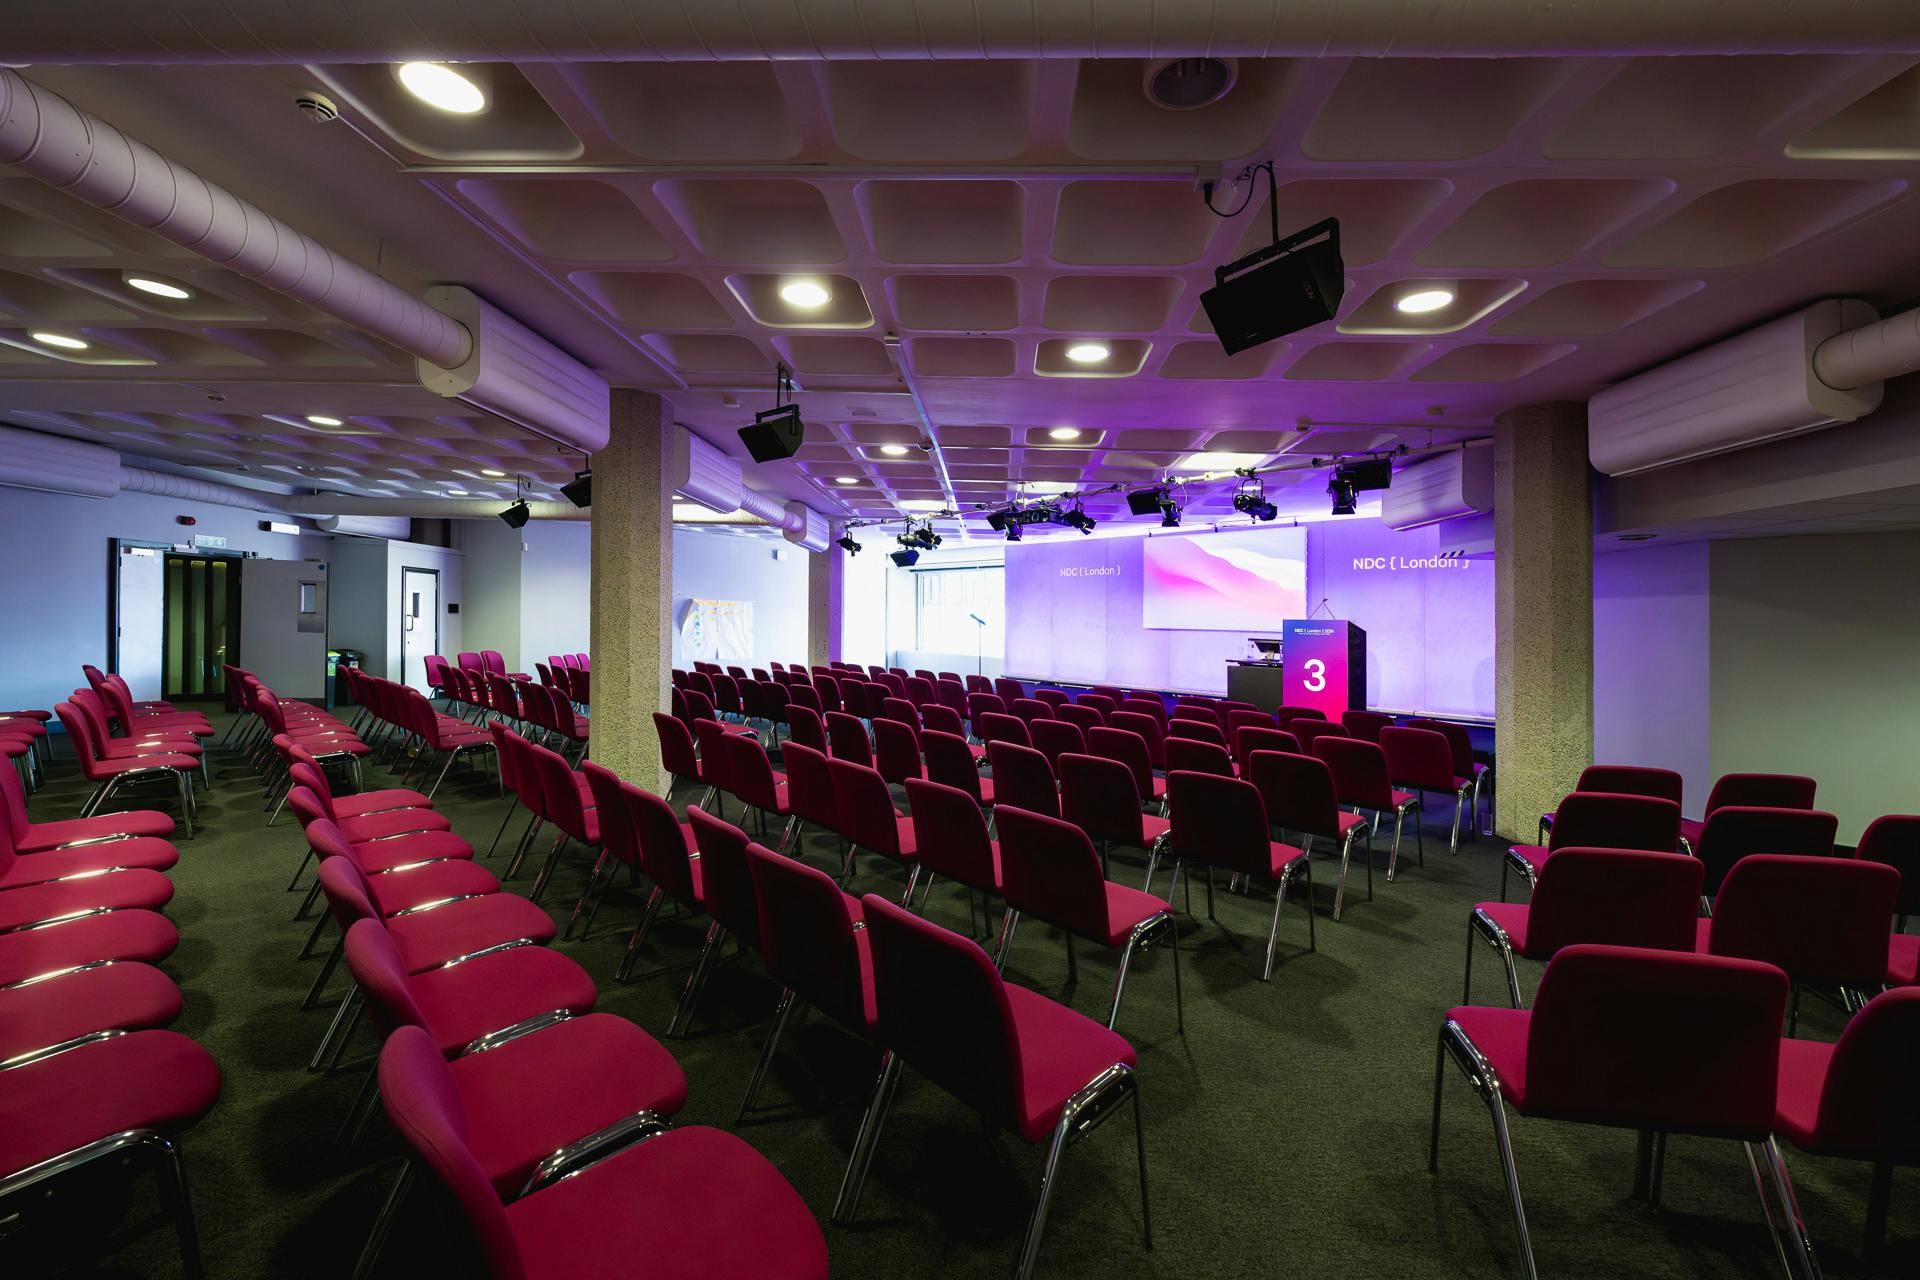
<point x="323" y="420"/>
<point x="60" y="340"/>
<point x="846" y="479"/>
<point x="805" y="293"/>
<point x="1218" y="461"/>
<point x="439" y="85"/>
<point x="158" y="288"/>
<point x="489" y="471"/>
<point x="1088" y="352"/>
<point x="1065" y="433"/>
<point x="456" y="493"/>
<point x="1420" y="301"/>
<point x="894" y="450"/>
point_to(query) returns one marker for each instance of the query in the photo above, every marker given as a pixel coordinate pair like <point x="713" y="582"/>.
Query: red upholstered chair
<point x="1299" y="794"/>
<point x="951" y="840"/>
<point x="939" y="719"/>
<point x="952" y="761"/>
<point x="1600" y="1044"/>
<point x="901" y="711"/>
<point x="1249" y="738"/>
<point x="1600" y="820"/>
<point x="1285" y="716"/>
<point x="1223" y="822"/>
<point x="1105" y="703"/>
<point x="1192" y="755"/>
<point x="951" y="695"/>
<point x="810" y="793"/>
<point x="1130" y="749"/>
<point x="980" y="704"/>
<point x="1894" y="840"/>
<point x="1625" y="780"/>
<point x="1419" y="760"/>
<point x="829" y="690"/>
<point x="805" y="695"/>
<point x="814" y="944"/>
<point x="1751" y="791"/>
<point x="1735" y="831"/>
<point x="1020" y="1060"/>
<point x="1239" y="718"/>
<point x="120" y="1102"/>
<point x="1024" y="778"/>
<point x="1365" y="725"/>
<point x="1199" y="709"/>
<point x="807" y="727"/>
<point x="1100" y="796"/>
<point x="894" y="682"/>
<point x="726" y="891"/>
<point x="1621" y="897"/>
<point x="1030" y="710"/>
<point x="847" y="739"/>
<point x="679" y="755"/>
<point x="1460" y="742"/>
<point x="1310" y="731"/>
<point x="869" y="821"/>
<point x="1112" y="693"/>
<point x="991" y="727"/>
<point x="665" y="847"/>
<point x="112" y="773"/>
<point x="35" y="837"/>
<point x="1149" y="729"/>
<point x="565" y="806"/>
<point x="588" y="1212"/>
<point x="1361" y="781"/>
<point x="1080" y="715"/>
<point x="1822" y="920"/>
<point x="919" y="690"/>
<point x="896" y="750"/>
<point x="1855" y="1100"/>
<point x="1054" y="738"/>
<point x="1049" y="870"/>
<point x="756" y="784"/>
<point x="978" y="684"/>
<point x="1008" y="690"/>
<point x="1055" y="698"/>
<point x="1144" y="706"/>
<point x="61" y="1011"/>
<point x="1207" y="730"/>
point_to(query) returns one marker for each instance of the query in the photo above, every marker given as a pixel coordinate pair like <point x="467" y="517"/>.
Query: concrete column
<point x="1543" y="635"/>
<point x="826" y="574"/>
<point x="632" y="586"/>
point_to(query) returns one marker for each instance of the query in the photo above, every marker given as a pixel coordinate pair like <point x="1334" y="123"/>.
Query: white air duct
<point x="54" y="464"/>
<point x="704" y="474"/>
<point x="190" y="489"/>
<point x="516" y="373"/>
<point x="1872" y="353"/>
<point x="324" y="506"/>
<point x="1749" y="389"/>
<point x="392" y="528"/>
<point x="1444" y="487"/>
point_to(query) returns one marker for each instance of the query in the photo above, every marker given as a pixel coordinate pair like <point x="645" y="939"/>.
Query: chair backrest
<point x="423" y="1104"/>
<point x="1128" y="748"/>
<point x="901" y="710"/>
<point x="545" y="672"/>
<point x="951" y="695"/>
<point x="1761" y="791"/>
<point x="1298" y="792"/>
<point x="491" y="660"/>
<point x="1359" y="771"/>
<point x="810" y="793"/>
<point x="1894" y="840"/>
<point x="1104" y="703"/>
<point x="1821" y="919"/>
<point x="807" y="727"/>
<point x="1152" y="707"/>
<point x="1459" y="741"/>
<point x="1220" y="821"/>
<point x="847" y="738"/>
<point x="1609" y="1023"/>
<point x="950" y="762"/>
<point x="617" y="835"/>
<point x="978" y="684"/>
<point x="716" y="765"/>
<point x="1055" y="698"/>
<point x="1207" y="730"/>
<point x="470" y="662"/>
<point x="699" y="704"/>
<point x="965" y="1042"/>
<point x="1008" y="689"/>
<point x="829" y="690"/>
<point x="1195" y="756"/>
<point x="919" y="690"/>
<point x="943" y="719"/>
<point x="1734" y="831"/>
<point x="1100" y="797"/>
<point x="1022" y="777"/>
<point x="1193" y="709"/>
<point x="340" y="880"/>
<point x="749" y="771"/>
<point x="1080" y="716"/>
<point x="896" y="750"/>
<point x="726" y="692"/>
<point x="563" y="806"/>
<point x="991" y="727"/>
<point x="1285" y="716"/>
<point x="808" y="941"/>
<point x="1365" y="725"/>
<point x="726" y="882"/>
<point x="1311" y="731"/>
<point x="1868" y="1107"/>
<point x="980" y="702"/>
<point x="866" y="807"/>
<point x="677" y="753"/>
<point x="1622" y="897"/>
<point x="1418" y="758"/>
<point x="950" y="834"/>
<point x="1250" y="738"/>
<point x="1048" y="869"/>
<point x="1239" y="718"/>
<point x="660" y="842"/>
<point x="1148" y="729"/>
<point x="375" y="964"/>
<point x="1112" y="693"/>
<point x="1030" y="709"/>
<point x="1631" y="780"/>
<point x="1606" y="820"/>
<point x="1054" y="738"/>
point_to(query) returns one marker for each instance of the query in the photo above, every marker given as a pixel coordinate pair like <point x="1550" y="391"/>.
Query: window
<point x="946" y="602"/>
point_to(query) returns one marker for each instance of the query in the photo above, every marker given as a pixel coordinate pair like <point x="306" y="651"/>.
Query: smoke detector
<point x="317" y="107"/>
<point x="1182" y="84"/>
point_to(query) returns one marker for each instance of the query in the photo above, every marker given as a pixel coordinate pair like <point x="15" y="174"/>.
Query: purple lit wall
<point x="1074" y="613"/>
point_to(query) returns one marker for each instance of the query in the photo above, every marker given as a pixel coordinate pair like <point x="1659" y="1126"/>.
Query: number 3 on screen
<point x="1316" y="675"/>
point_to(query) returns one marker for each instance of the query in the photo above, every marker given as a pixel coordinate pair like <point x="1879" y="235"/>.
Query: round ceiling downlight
<point x="442" y="87"/>
<point x="1182" y="84"/>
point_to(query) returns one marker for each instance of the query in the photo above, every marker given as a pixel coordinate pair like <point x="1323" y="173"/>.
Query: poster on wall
<point x="717" y="631"/>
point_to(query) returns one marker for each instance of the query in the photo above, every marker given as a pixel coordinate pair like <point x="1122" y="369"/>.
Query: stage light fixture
<point x="579" y="491"/>
<point x="1169" y="512"/>
<point x="1251" y="499"/>
<point x="1372" y="473"/>
<point x="517" y="515"/>
<point x="1078" y="519"/>
<point x="848" y="545"/>
<point x="1341" y="491"/>
<point x="904" y="559"/>
<point x="1016" y="531"/>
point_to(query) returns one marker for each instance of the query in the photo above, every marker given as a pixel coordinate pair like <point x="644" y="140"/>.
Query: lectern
<point x="1326" y="665"/>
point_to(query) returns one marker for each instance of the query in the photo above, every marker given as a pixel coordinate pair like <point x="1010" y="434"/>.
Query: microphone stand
<point x="979" y="643"/>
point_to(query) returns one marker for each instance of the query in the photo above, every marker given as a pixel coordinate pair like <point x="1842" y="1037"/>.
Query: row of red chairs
<point x="90" y="1077"/>
<point x="395" y="714"/>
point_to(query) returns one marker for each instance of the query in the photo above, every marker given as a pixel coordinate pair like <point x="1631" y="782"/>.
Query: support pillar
<point x="632" y="586"/>
<point x="1543" y="632"/>
<point x="826" y="576"/>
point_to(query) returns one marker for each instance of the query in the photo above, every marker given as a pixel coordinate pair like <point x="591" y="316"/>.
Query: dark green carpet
<point x="1286" y="1131"/>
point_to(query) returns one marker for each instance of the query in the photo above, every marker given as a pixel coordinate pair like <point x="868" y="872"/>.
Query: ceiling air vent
<point x="1181" y="84"/>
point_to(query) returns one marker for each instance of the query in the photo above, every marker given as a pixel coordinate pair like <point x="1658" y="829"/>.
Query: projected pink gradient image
<point x="1244" y="580"/>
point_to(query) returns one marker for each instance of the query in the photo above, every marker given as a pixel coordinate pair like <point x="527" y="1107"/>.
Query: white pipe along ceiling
<point x="211" y="31"/>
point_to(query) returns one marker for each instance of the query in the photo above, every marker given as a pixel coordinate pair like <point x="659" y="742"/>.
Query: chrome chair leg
<point x="847" y="1203"/>
<point x="172" y="1171"/>
<point x="697" y="980"/>
<point x="625" y="971"/>
<point x="383" y="1224"/>
<point x="759" y="1076"/>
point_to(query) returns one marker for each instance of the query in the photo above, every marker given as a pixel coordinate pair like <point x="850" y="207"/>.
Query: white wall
<point x="721" y="566"/>
<point x="556" y="590"/>
<point x="1651" y="665"/>
<point x="450" y="563"/>
<point x="54" y="579"/>
<point x="357" y="599"/>
<point x="491" y="611"/>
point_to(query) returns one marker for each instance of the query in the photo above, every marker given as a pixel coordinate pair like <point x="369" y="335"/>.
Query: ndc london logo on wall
<point x="1397" y="564"/>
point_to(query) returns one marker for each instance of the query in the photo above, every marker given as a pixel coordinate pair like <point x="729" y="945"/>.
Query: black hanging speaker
<point x="775" y="434"/>
<point x="1145" y="502"/>
<point x="1281" y="289"/>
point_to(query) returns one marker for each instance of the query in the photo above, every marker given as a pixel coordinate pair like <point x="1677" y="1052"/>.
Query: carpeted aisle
<point x="1286" y="1130"/>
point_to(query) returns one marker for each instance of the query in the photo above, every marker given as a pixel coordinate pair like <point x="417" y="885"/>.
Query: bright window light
<point x="439" y="85"/>
<point x="1088" y="352"/>
<point x="59" y="340"/>
<point x="805" y="293"/>
<point x="1420" y="301"/>
<point x="158" y="288"/>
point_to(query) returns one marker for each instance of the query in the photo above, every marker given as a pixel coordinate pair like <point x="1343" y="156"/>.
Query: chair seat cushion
<point x="1534" y="855"/>
<point x="321" y="746"/>
<point x="491" y="992"/>
<point x="1152" y="827"/>
<point x="1348" y="821"/>
<point x="430" y="939"/>
<point x="98" y="769"/>
<point x="1803" y="1072"/>
<point x="135" y="822"/>
<point x="378" y="826"/>
<point x="116" y="889"/>
<point x="531" y="1096"/>
<point x="114" y="997"/>
<point x="1501" y="1035"/>
<point x="1691" y="830"/>
<point x="397" y="891"/>
<point x="375" y="856"/>
<point x="111" y="855"/>
<point x="1061" y="1053"/>
<point x="1403" y="798"/>
<point x="144" y="748"/>
<point x="65" y="1102"/>
<point x="1512" y="919"/>
<point x="367" y="802"/>
<point x="146" y="936"/>
<point x="695" y="1203"/>
<point x="1126" y="908"/>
